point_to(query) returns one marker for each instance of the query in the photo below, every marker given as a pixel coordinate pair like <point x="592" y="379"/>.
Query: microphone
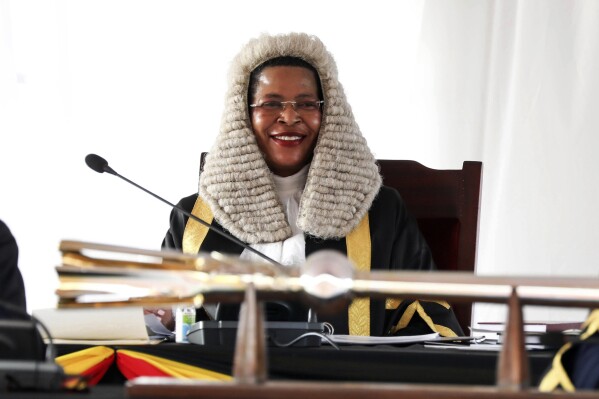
<point x="100" y="165"/>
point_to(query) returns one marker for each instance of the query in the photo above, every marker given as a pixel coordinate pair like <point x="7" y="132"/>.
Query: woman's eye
<point x="307" y="105"/>
<point x="272" y="105"/>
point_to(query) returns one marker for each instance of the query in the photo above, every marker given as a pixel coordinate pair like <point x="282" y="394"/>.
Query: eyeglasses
<point x="277" y="107"/>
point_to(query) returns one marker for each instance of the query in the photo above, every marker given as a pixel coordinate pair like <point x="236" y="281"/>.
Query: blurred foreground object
<point x="162" y="277"/>
<point x="12" y="289"/>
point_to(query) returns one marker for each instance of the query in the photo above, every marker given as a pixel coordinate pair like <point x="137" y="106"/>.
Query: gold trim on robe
<point x="195" y="232"/>
<point x="557" y="376"/>
<point x="359" y="252"/>
<point x="416" y="307"/>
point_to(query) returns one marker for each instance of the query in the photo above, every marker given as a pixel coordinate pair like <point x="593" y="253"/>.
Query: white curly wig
<point x="343" y="178"/>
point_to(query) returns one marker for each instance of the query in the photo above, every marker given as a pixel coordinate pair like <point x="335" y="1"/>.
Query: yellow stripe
<point x="445" y="331"/>
<point x="359" y="251"/>
<point x="406" y="317"/>
<point x="392" y="303"/>
<point x="416" y="307"/>
<point x="590" y="325"/>
<point x="177" y="369"/>
<point x="77" y="362"/>
<point x="557" y="376"/>
<point x="195" y="232"/>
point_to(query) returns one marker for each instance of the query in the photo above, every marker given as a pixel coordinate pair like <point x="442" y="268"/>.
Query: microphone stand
<point x="100" y="165"/>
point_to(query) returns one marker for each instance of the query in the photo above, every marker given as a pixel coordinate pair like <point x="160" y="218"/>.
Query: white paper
<point x="124" y="323"/>
<point x="390" y="340"/>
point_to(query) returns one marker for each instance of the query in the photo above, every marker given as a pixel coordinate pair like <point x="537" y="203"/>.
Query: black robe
<point x="396" y="244"/>
<point x="12" y="290"/>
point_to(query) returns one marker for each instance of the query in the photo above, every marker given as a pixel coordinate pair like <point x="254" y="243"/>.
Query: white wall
<point x="142" y="83"/>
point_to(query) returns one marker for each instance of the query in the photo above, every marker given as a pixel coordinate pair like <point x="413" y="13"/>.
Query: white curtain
<point x="510" y="83"/>
<point x="514" y="84"/>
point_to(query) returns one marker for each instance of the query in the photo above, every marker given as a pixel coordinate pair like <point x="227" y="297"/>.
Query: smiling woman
<point x="291" y="174"/>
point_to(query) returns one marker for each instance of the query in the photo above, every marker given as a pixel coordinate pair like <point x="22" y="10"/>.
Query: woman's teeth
<point x="288" y="138"/>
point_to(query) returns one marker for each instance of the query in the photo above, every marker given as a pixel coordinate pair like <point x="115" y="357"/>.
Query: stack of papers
<point x="96" y="326"/>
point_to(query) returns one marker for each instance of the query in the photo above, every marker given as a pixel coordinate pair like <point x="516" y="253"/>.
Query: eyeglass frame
<point x="293" y="105"/>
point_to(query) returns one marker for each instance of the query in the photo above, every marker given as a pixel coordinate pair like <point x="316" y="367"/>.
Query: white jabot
<point x="292" y="251"/>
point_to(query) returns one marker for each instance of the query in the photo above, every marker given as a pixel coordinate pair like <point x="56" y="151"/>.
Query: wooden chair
<point x="446" y="204"/>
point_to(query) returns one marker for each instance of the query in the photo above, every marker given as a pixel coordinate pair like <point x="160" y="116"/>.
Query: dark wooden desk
<point x="411" y="364"/>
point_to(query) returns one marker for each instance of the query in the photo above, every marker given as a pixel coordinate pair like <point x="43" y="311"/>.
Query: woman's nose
<point x="289" y="115"/>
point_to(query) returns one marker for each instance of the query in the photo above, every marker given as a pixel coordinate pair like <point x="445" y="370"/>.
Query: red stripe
<point x="131" y="367"/>
<point x="95" y="373"/>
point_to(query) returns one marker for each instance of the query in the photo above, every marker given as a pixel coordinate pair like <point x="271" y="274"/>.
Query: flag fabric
<point x="92" y="363"/>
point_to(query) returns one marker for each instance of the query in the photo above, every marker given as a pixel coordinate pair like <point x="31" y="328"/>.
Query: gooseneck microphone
<point x="100" y="165"/>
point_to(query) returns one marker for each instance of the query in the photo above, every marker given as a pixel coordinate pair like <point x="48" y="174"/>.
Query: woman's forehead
<point x="286" y="78"/>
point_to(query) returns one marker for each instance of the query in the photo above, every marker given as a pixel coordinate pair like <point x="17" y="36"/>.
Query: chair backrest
<point x="446" y="204"/>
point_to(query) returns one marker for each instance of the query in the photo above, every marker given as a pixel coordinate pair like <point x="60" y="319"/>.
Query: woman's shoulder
<point x="188" y="202"/>
<point x="388" y="194"/>
<point x="388" y="202"/>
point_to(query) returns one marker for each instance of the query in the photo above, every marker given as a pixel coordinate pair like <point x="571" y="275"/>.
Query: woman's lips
<point x="288" y="140"/>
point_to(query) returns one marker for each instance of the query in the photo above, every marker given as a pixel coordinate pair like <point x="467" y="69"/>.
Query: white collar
<point x="295" y="182"/>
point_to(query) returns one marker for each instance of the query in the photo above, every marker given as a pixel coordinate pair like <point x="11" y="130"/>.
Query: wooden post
<point x="512" y="366"/>
<point x="250" y="361"/>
